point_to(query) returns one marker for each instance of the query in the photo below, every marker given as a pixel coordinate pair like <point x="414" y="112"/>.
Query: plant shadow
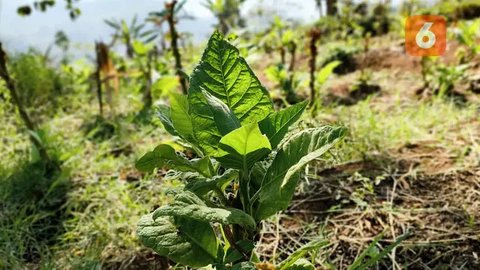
<point x="32" y="211"/>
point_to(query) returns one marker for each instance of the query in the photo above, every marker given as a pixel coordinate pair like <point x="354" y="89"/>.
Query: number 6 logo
<point x="425" y="35"/>
<point x="425" y="32"/>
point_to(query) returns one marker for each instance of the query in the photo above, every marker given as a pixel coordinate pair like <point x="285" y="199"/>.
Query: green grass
<point x="383" y="123"/>
<point x="101" y="208"/>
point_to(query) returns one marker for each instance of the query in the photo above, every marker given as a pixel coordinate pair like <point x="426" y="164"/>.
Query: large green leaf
<point x="276" y="125"/>
<point x="188" y="205"/>
<point x="164" y="155"/>
<point x="241" y="148"/>
<point x="224" y="74"/>
<point x="282" y="176"/>
<point x="225" y="119"/>
<point x="184" y="241"/>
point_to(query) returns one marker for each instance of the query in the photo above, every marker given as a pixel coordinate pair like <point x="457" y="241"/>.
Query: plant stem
<point x="244" y="190"/>
<point x="10" y="84"/>
<point x="221" y="196"/>
<point x="170" y="7"/>
<point x="231" y="240"/>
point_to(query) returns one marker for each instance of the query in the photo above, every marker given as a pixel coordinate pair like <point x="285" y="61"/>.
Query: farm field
<point x="320" y="145"/>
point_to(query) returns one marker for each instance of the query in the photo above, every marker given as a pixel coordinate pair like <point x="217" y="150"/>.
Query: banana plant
<point x="247" y="166"/>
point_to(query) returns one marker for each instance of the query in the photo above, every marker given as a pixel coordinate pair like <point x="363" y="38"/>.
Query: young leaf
<point x="188" y="205"/>
<point x="202" y="186"/>
<point x="180" y="116"/>
<point x="326" y="71"/>
<point x="224" y="118"/>
<point x="203" y="165"/>
<point x="276" y="125"/>
<point x="164" y="113"/>
<point x="282" y="176"/>
<point x="224" y="74"/>
<point x="241" y="148"/>
<point x="165" y="155"/>
<point x="184" y="241"/>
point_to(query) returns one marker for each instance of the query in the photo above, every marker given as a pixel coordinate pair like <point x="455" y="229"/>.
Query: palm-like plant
<point x="128" y="33"/>
<point x="227" y="12"/>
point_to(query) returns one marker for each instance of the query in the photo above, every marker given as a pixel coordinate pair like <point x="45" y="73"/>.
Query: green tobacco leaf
<point x="276" y="125"/>
<point x="180" y="116"/>
<point x="164" y="113"/>
<point x="184" y="241"/>
<point x="204" y="166"/>
<point x="224" y="74"/>
<point x="282" y="176"/>
<point x="202" y="186"/>
<point x="188" y="205"/>
<point x="241" y="148"/>
<point x="164" y="155"/>
<point x="224" y="118"/>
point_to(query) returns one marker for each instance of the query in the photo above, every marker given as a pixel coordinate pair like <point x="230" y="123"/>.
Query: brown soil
<point x="412" y="189"/>
<point x="344" y="95"/>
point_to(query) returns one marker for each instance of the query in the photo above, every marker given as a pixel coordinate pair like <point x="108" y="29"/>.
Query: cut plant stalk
<point x="314" y="37"/>
<point x="98" y="78"/>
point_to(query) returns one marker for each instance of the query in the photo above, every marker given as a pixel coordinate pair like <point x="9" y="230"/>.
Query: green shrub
<point x="38" y="85"/>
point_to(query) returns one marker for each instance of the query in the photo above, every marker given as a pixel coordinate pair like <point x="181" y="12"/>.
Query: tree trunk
<point x="174" y="45"/>
<point x="332" y="7"/>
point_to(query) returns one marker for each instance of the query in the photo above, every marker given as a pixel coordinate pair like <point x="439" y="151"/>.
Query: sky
<point x="38" y="30"/>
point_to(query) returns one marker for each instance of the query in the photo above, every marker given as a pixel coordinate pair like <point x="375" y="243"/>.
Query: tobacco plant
<point x="246" y="170"/>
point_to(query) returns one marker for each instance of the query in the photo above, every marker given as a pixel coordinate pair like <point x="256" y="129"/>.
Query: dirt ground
<point x="437" y="206"/>
<point x="415" y="188"/>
